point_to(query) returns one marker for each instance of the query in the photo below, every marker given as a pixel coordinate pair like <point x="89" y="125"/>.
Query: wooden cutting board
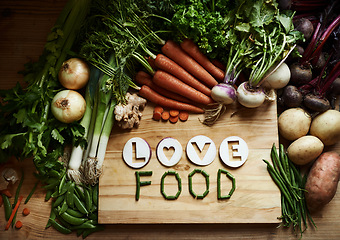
<point x="255" y="200"/>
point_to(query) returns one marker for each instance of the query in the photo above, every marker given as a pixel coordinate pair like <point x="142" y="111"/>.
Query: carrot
<point x="18" y="225"/>
<point x="158" y="109"/>
<point x="166" y="64"/>
<point x="173" y="119"/>
<point x="13" y="213"/>
<point x="26" y="211"/>
<point x="157" y="115"/>
<point x="173" y="84"/>
<point x="178" y="55"/>
<point x="144" y="78"/>
<point x="218" y="64"/>
<point x="6" y="192"/>
<point x="174" y="113"/>
<point x="193" y="50"/>
<point x="165" y="115"/>
<point x="151" y="61"/>
<point x="183" y="116"/>
<point x="158" y="99"/>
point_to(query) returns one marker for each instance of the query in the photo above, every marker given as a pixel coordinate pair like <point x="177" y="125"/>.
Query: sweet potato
<point x="322" y="180"/>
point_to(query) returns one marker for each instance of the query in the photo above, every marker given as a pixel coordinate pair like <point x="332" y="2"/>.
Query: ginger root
<point x="129" y="115"/>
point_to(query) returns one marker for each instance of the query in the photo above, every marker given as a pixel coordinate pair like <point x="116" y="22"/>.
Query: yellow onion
<point x="68" y="106"/>
<point x="74" y="74"/>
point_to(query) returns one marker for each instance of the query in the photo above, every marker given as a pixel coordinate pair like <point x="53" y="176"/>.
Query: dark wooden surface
<point x="24" y="26"/>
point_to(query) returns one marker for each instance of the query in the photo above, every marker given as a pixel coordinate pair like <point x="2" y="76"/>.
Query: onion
<point x="250" y="97"/>
<point x="74" y="74"/>
<point x="223" y="93"/>
<point x="68" y="106"/>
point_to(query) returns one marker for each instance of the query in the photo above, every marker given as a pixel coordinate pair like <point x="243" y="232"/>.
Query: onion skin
<point x="74" y="74"/>
<point x="250" y="98"/>
<point x="223" y="93"/>
<point x="68" y="106"/>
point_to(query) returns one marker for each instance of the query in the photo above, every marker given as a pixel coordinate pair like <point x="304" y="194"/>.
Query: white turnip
<point x="250" y="97"/>
<point x="278" y="77"/>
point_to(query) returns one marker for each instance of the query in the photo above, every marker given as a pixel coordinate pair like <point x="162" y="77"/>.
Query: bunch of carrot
<point x="182" y="78"/>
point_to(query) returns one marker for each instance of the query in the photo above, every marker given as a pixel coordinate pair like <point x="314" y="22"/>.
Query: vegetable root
<point x="174" y="52"/>
<point x="193" y="50"/>
<point x="172" y="83"/>
<point x="152" y="96"/>
<point x="166" y="64"/>
<point x="144" y="78"/>
<point x="129" y="115"/>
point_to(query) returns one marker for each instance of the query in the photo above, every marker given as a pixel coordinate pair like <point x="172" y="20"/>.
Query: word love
<point x="195" y="195"/>
<point x="137" y="151"/>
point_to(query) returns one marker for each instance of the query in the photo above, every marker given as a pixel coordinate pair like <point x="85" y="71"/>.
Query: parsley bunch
<point x="27" y="127"/>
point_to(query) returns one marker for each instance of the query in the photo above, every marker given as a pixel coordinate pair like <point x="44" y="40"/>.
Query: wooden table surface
<point x="24" y="26"/>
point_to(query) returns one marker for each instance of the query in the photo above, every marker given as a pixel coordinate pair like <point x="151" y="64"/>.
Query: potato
<point x="294" y="123"/>
<point x="326" y="126"/>
<point x="322" y="180"/>
<point x="305" y="149"/>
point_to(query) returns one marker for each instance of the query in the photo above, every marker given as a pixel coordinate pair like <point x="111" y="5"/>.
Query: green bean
<point x="139" y="183"/>
<point x="31" y="193"/>
<point x="71" y="219"/>
<point x="74" y="213"/>
<point x="7" y="206"/>
<point x="54" y="174"/>
<point x="17" y="192"/>
<point x="51" y="185"/>
<point x="62" y="182"/>
<point x="171" y="197"/>
<point x="70" y="195"/>
<point x="58" y="201"/>
<point x="59" y="227"/>
<point x="87" y="232"/>
<point x="88" y="199"/>
<point x="65" y="188"/>
<point x="95" y="195"/>
<point x="80" y="192"/>
<point x="63" y="208"/>
<point x="86" y="225"/>
<point x="48" y="194"/>
<point x="79" y="205"/>
<point x="52" y="216"/>
<point x="233" y="187"/>
<point x="93" y="216"/>
<point x="80" y="231"/>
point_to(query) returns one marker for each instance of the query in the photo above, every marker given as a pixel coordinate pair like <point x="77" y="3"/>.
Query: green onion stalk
<point x="78" y="151"/>
<point x="108" y="95"/>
